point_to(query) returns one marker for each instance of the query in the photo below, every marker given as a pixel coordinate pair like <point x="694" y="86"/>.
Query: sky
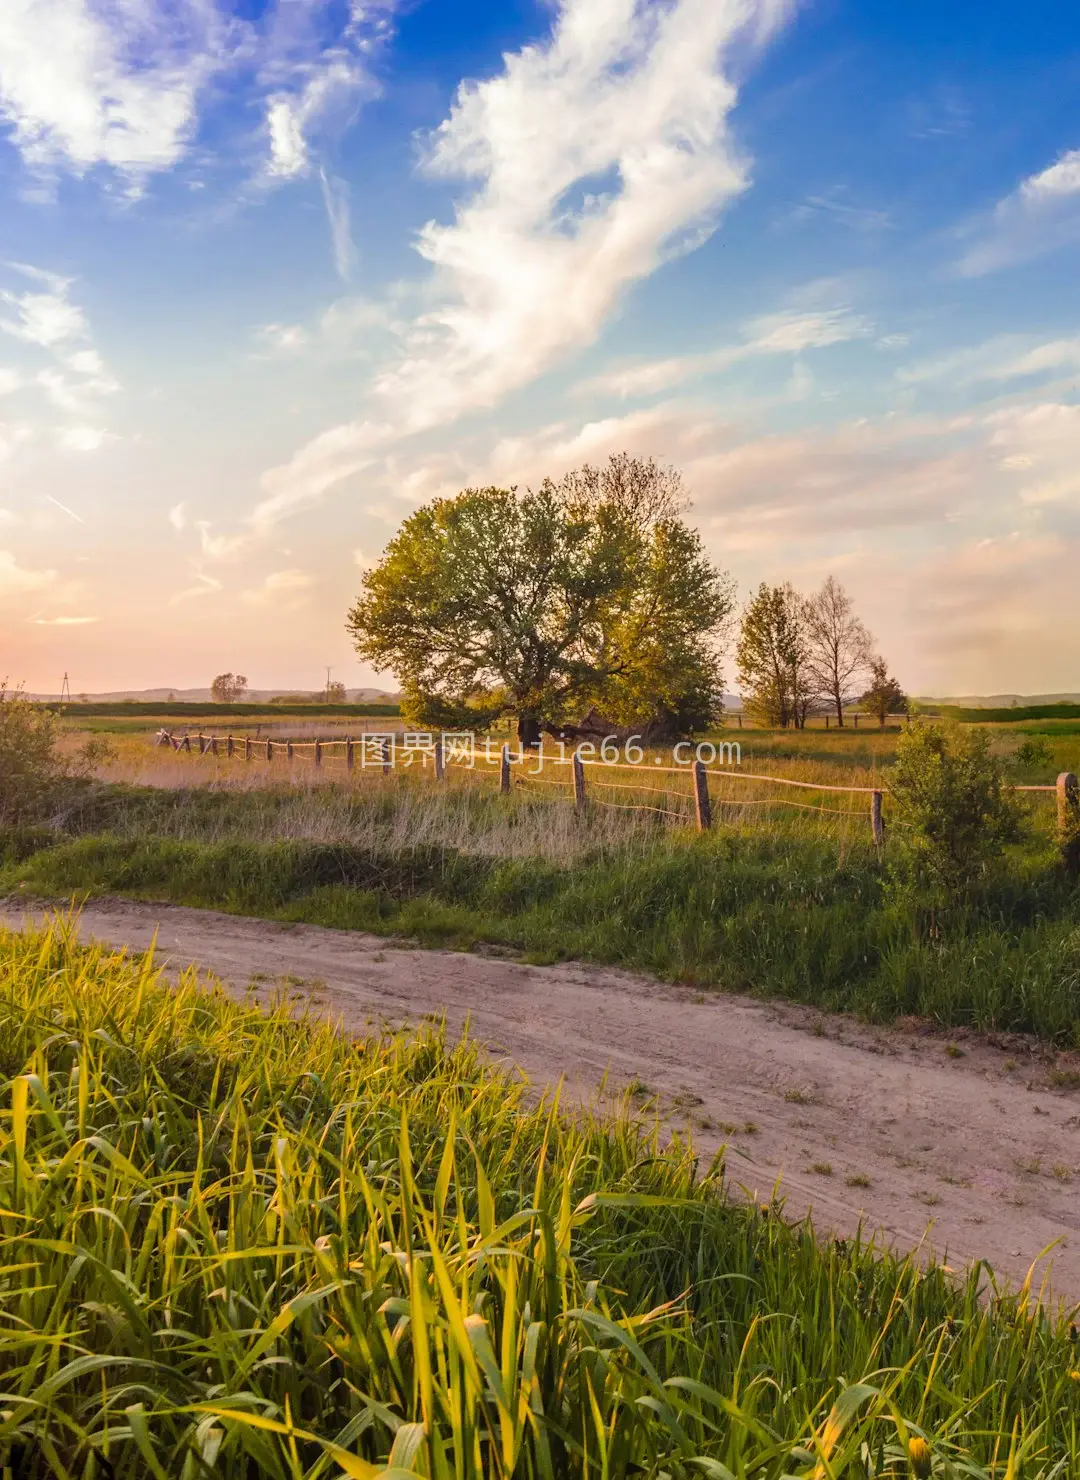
<point x="273" y="273"/>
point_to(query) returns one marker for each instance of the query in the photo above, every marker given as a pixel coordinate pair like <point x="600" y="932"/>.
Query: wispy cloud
<point x="631" y="167"/>
<point x="62" y="621"/>
<point x="335" y="194"/>
<point x="786" y="333"/>
<point x="1041" y="215"/>
<point x="282" y="589"/>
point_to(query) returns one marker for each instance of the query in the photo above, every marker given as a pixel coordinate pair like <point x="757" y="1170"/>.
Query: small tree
<point x="958" y="808"/>
<point x="839" y="649"/>
<point x="884" y="696"/>
<point x="771" y="657"/>
<point x="228" y="688"/>
<point x="30" y="766"/>
<point x="335" y="692"/>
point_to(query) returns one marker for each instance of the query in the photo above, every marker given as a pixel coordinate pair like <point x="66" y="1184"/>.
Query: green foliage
<point x="589" y="592"/>
<point x="245" y="1246"/>
<point x="227" y="688"/>
<point x="772" y="657"/>
<point x="1034" y="753"/>
<point x="30" y="765"/>
<point x="884" y="696"/>
<point x="959" y="810"/>
<point x="778" y="912"/>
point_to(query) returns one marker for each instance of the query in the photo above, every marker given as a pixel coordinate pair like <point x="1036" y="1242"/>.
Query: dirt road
<point x="972" y="1147"/>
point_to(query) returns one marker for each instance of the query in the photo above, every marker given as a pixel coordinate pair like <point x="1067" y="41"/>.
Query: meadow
<point x="237" y="1243"/>
<point x="783" y="897"/>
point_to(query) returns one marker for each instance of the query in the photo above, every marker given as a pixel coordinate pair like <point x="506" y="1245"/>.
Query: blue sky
<point x="273" y="274"/>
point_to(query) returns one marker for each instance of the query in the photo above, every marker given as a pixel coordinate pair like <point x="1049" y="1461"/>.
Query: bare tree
<point x="839" y="649"/>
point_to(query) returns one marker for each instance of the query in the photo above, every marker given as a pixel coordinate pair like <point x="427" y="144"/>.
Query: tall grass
<point x="236" y="1244"/>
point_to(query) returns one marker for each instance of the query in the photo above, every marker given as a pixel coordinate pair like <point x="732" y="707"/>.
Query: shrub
<point x="958" y="809"/>
<point x="29" y="763"/>
<point x="1034" y="753"/>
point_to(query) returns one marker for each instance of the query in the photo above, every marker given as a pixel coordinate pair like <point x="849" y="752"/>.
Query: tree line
<point x="801" y="655"/>
<point x="589" y="605"/>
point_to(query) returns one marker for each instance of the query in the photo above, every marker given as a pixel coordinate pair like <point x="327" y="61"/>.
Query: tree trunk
<point x="839" y="712"/>
<point x="881" y="719"/>
<point x="528" y="730"/>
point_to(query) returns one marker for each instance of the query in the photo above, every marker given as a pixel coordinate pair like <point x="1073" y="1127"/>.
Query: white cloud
<point x="594" y="157"/>
<point x="118" y="83"/>
<point x="178" y="517"/>
<point x="282" y="589"/>
<point x="62" y="621"/>
<point x="85" y="84"/>
<point x="16" y="579"/>
<point x="48" y="319"/>
<point x="82" y="438"/>
<point x="1040" y="215"/>
<point x="281" y="338"/>
<point x="787" y="333"/>
<point x="10" y="381"/>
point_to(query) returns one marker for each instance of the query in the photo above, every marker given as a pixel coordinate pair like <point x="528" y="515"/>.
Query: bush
<point x="959" y="811"/>
<point x="30" y="766"/>
<point x="1034" y="753"/>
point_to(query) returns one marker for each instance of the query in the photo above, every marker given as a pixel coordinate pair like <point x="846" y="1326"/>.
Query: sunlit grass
<point x="236" y="1244"/>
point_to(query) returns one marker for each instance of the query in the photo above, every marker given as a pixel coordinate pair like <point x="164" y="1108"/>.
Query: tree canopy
<point x="587" y="593"/>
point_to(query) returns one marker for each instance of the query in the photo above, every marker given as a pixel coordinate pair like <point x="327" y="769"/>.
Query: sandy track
<point x="978" y="1155"/>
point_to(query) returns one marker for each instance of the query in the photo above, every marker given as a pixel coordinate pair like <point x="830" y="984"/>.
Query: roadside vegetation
<point x="244" y="1245"/>
<point x="774" y="901"/>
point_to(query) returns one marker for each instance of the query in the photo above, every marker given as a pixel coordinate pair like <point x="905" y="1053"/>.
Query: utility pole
<point x="65" y="690"/>
<point x="328" y="683"/>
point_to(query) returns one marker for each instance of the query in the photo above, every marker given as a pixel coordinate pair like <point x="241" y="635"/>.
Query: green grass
<point x="239" y="1245"/>
<point x="773" y="913"/>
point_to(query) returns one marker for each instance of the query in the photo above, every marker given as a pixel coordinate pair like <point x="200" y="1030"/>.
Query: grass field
<point x="244" y="1246"/>
<point x="775" y="901"/>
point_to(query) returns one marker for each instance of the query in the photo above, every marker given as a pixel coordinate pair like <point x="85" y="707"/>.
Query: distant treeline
<point x="207" y="709"/>
<point x="1003" y="716"/>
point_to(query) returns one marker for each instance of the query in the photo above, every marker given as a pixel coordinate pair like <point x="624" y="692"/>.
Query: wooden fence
<point x="377" y="754"/>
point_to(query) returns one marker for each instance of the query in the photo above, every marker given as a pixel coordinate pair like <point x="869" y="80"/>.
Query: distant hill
<point x="997" y="701"/>
<point x="202" y="696"/>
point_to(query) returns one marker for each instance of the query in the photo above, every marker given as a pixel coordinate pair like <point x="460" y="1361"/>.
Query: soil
<point x="963" y="1145"/>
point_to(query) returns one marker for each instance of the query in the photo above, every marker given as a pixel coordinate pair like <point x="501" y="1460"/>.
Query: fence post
<point x="247" y="747"/>
<point x="579" y="783"/>
<point x="877" y="821"/>
<point x="288" y="750"/>
<point x="229" y="746"/>
<point x="826" y="721"/>
<point x="318" y="752"/>
<point x="855" y="717"/>
<point x="1068" y="817"/>
<point x="202" y="742"/>
<point x="348" y="753"/>
<point x="440" y="759"/>
<point x="186" y="745"/>
<point x="213" y="745"/>
<point x="702" y="803"/>
<point x="504" y="770"/>
<point x="269" y="750"/>
<point x="386" y="757"/>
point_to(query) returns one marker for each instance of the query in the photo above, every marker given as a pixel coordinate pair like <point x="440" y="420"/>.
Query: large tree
<point x="839" y="649"/>
<point x="771" y="657"/>
<point x="591" y="592"/>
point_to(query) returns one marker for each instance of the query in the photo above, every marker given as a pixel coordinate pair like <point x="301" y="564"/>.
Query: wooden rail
<point x="1066" y="787"/>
